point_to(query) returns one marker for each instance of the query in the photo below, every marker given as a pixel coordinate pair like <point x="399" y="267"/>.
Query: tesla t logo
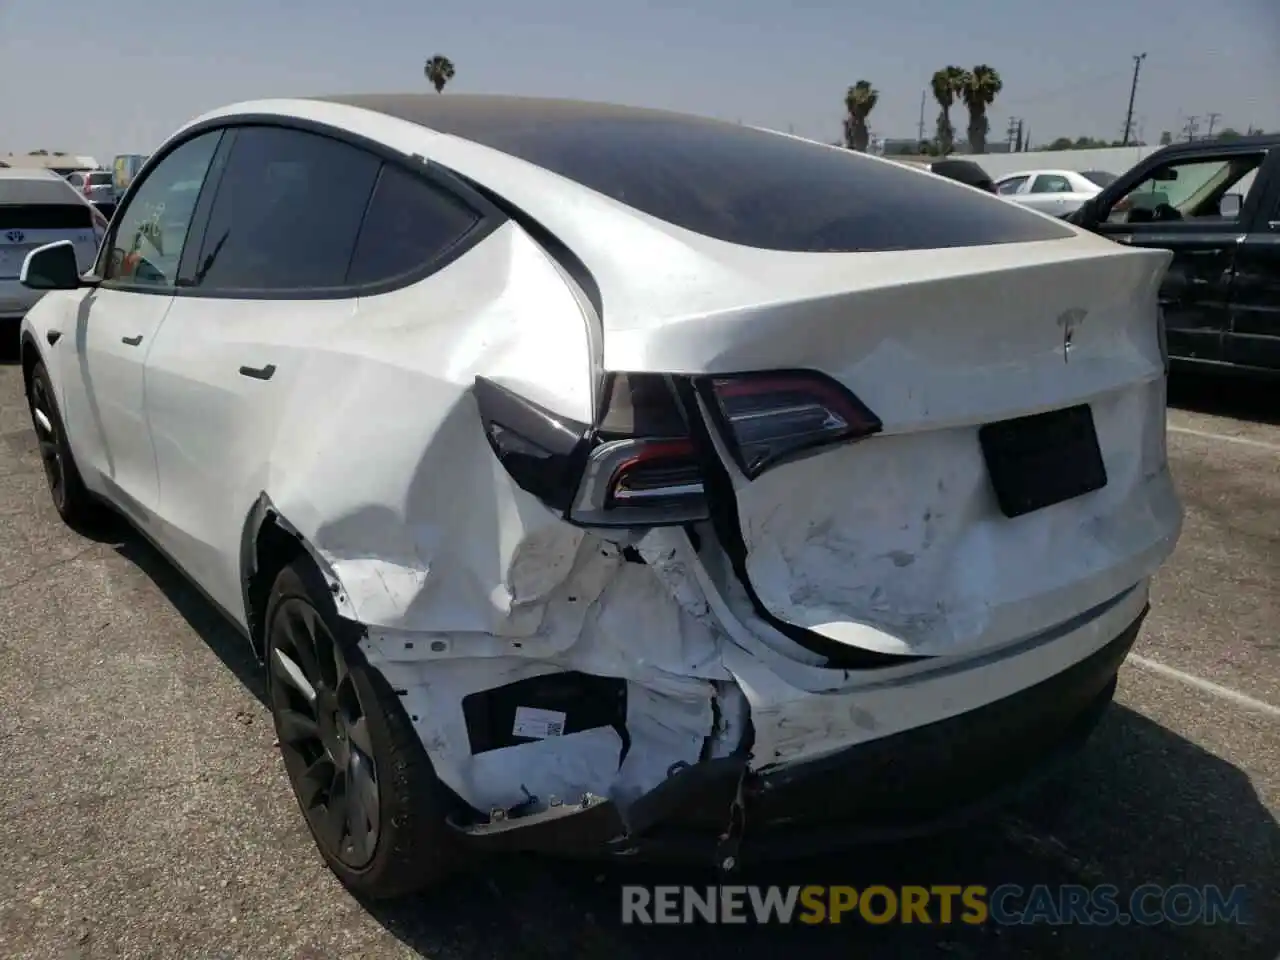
<point x="15" y="236"/>
<point x="1068" y="321"/>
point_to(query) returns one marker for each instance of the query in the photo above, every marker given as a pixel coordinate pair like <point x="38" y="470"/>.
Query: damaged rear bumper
<point x="906" y="785"/>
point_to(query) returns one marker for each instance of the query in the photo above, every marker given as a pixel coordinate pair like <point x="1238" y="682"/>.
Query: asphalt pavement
<point x="144" y="812"/>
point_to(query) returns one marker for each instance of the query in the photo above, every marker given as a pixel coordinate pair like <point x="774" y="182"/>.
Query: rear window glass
<point x="100" y="179"/>
<point x="45" y="216"/>
<point x="1100" y="177"/>
<point x="24" y="190"/>
<point x="727" y="181"/>
<point x="763" y="189"/>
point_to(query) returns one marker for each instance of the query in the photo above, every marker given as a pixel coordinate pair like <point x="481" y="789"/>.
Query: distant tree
<point x="1229" y="134"/>
<point x="439" y="71"/>
<point x="1062" y="143"/>
<point x="1166" y="137"/>
<point x="859" y="101"/>
<point x="978" y="89"/>
<point x="946" y="84"/>
<point x="37" y="153"/>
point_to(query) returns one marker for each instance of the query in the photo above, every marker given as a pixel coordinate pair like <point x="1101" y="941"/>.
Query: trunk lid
<point x="898" y="543"/>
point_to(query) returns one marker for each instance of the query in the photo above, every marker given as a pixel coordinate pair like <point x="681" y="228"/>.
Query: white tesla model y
<point x="605" y="479"/>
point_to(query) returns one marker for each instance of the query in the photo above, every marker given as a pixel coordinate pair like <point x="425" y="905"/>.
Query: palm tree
<point x="946" y="84"/>
<point x="860" y="100"/>
<point x="978" y="91"/>
<point x="439" y="71"/>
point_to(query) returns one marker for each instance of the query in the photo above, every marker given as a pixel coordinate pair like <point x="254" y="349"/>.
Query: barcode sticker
<point x="539" y="724"/>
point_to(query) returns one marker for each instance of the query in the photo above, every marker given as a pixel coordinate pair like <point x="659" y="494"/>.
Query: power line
<point x="1133" y="92"/>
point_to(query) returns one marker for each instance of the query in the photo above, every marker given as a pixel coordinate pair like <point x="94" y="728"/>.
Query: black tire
<point x="74" y="503"/>
<point x="413" y="847"/>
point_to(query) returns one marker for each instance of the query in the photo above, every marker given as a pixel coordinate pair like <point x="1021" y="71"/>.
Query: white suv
<point x="600" y="478"/>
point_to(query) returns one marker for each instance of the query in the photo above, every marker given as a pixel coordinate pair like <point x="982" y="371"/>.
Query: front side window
<point x="151" y="231"/>
<point x="1191" y="189"/>
<point x="287" y="212"/>
<point x="1012" y="185"/>
<point x="1051" y="183"/>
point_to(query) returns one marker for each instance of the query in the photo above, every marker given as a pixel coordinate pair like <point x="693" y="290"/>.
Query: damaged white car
<point x="609" y="480"/>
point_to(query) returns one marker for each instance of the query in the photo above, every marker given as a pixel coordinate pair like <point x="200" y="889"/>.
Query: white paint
<point x="1226" y="438"/>
<point x="1207" y="686"/>
<point x="539" y="724"/>
<point x="367" y="444"/>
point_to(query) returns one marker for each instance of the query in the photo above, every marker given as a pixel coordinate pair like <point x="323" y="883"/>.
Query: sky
<point x="97" y="78"/>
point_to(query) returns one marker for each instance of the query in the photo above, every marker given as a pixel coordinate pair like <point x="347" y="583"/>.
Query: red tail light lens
<point x="773" y="417"/>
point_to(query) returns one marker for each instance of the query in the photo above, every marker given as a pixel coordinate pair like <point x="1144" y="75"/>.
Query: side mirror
<point x="51" y="267"/>
<point x="1231" y="205"/>
<point x="1167" y="175"/>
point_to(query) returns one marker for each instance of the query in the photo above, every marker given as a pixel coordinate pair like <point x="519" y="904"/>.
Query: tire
<point x="74" y="503"/>
<point x="355" y="717"/>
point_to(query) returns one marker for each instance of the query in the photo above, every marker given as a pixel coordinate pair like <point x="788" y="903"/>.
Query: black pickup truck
<point x="1216" y="205"/>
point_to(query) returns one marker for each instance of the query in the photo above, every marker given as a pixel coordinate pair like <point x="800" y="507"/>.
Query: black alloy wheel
<point x="323" y="727"/>
<point x="74" y="503"/>
<point x="43" y="418"/>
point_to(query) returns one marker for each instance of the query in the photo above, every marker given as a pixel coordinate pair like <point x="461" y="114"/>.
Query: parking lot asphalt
<point x="144" y="812"/>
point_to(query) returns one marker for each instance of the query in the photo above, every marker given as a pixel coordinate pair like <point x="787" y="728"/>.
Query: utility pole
<point x="1213" y="119"/>
<point x="1012" y="132"/>
<point x="1022" y="145"/>
<point x="920" y="128"/>
<point x="1191" y="127"/>
<point x="1133" y="92"/>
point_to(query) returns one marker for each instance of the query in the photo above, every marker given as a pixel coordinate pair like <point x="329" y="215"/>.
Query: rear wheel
<point x="360" y="774"/>
<point x="74" y="503"/>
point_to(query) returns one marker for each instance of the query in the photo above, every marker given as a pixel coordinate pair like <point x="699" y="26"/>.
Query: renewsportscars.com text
<point x="1006" y="905"/>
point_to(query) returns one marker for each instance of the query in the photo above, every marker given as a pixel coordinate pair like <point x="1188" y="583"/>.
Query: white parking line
<point x="1208" y="686"/>
<point x="1243" y="441"/>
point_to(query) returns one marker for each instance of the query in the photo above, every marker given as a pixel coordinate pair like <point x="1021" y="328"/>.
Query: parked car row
<point x="38" y="207"/>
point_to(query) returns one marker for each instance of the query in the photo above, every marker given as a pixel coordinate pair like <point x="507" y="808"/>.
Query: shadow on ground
<point x="1226" y="395"/>
<point x="1140" y="805"/>
<point x="221" y="637"/>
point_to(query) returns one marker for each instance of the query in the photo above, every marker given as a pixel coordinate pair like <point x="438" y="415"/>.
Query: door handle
<point x="132" y="341"/>
<point x="259" y="373"/>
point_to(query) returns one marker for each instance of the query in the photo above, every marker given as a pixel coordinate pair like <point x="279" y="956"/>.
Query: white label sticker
<point x="540" y="724"/>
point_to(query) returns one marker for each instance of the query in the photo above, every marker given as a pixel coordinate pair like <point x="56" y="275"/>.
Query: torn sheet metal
<point x="613" y="617"/>
<point x="914" y="557"/>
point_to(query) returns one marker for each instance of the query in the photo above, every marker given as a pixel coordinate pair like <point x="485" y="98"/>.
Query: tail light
<point x="773" y="417"/>
<point x="638" y="466"/>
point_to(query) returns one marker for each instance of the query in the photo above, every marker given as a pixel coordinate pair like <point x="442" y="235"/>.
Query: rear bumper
<point x="907" y="785"/>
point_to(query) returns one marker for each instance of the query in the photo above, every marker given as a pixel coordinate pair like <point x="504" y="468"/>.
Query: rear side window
<point x="1051" y="183"/>
<point x="287" y="212"/>
<point x="409" y="224"/>
<point x="1012" y="185"/>
<point x="1099" y="177"/>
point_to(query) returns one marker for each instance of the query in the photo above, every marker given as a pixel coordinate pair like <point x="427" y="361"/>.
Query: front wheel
<point x="359" y="772"/>
<point x="74" y="503"/>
